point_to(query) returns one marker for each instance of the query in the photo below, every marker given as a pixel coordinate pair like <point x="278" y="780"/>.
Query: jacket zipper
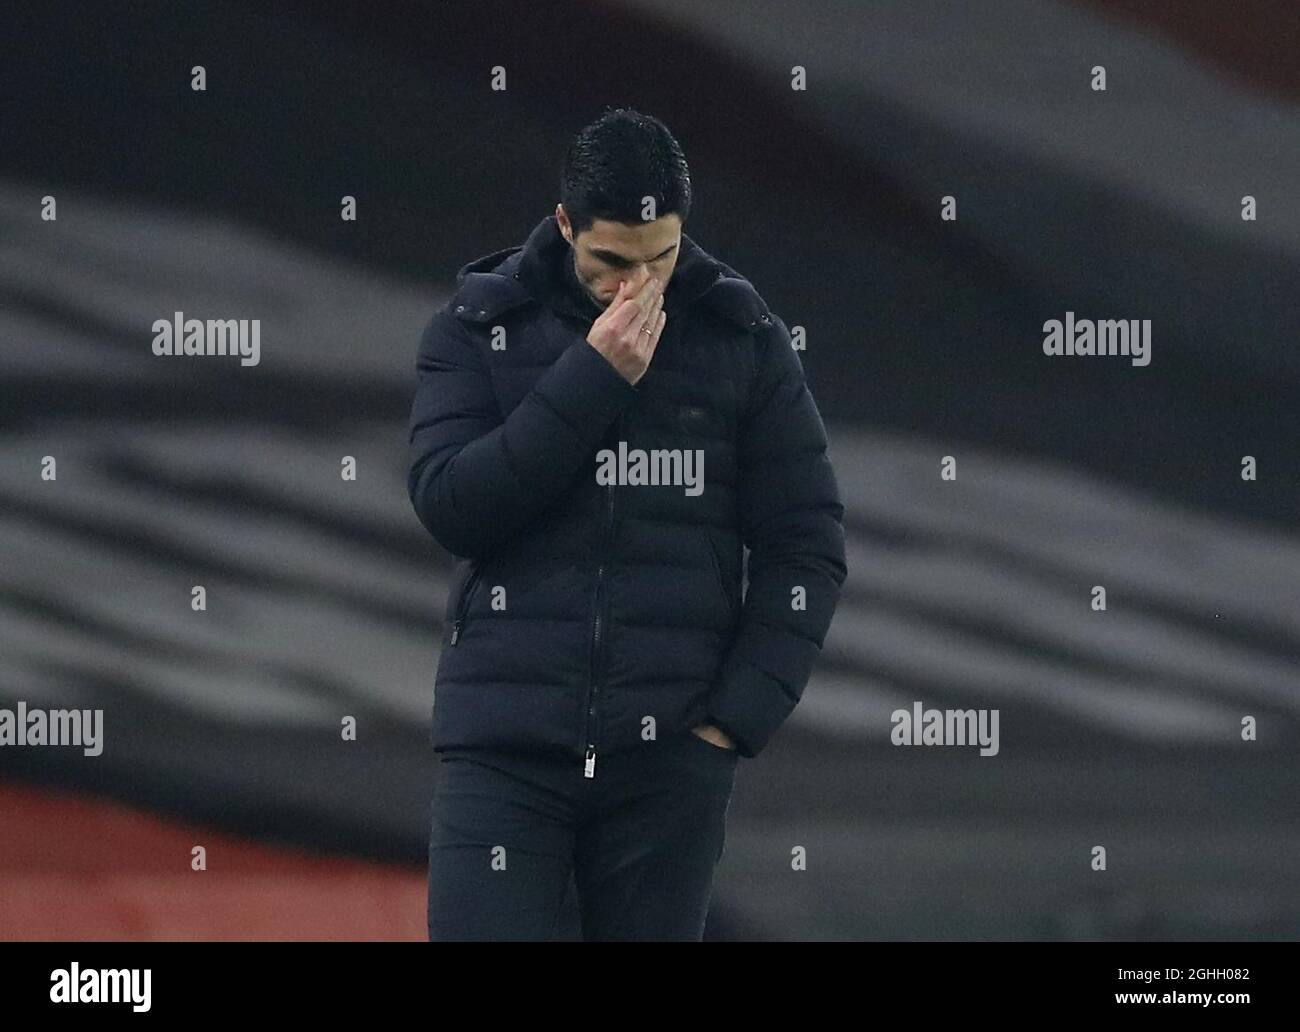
<point x="597" y="628"/>
<point x="462" y="608"/>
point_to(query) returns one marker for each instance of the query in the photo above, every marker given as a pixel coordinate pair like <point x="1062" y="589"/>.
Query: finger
<point x="646" y="319"/>
<point x="647" y="342"/>
<point x="652" y="310"/>
<point x="615" y="303"/>
<point x="646" y="295"/>
<point x="628" y="320"/>
<point x="660" y="323"/>
<point x="648" y="290"/>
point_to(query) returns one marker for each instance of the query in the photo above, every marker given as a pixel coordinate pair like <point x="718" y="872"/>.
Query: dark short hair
<point x="616" y="161"/>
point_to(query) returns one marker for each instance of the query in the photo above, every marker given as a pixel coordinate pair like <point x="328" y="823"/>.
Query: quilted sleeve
<point x="475" y="479"/>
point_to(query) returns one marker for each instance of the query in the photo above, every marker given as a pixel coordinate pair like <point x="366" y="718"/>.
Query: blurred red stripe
<point x="79" y="868"/>
<point x="1255" y="41"/>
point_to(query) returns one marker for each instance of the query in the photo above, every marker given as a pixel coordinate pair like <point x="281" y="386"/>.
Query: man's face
<point x="610" y="251"/>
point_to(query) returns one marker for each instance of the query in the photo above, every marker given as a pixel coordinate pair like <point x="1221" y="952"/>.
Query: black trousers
<point x="641" y="840"/>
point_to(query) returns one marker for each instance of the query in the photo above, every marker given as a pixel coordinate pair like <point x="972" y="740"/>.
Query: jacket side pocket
<point x="718" y="578"/>
<point x="462" y="605"/>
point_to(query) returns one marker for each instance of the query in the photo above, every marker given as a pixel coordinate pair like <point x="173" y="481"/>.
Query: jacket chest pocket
<point x="693" y="419"/>
<point x="669" y="420"/>
<point x="699" y="421"/>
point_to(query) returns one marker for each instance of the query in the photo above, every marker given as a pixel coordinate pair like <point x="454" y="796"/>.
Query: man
<point x="605" y="417"/>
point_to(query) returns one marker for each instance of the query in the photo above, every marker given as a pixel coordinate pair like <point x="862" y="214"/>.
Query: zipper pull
<point x="589" y="768"/>
<point x="455" y="631"/>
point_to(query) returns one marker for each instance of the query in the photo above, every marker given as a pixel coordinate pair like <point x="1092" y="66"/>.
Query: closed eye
<point x="619" y="262"/>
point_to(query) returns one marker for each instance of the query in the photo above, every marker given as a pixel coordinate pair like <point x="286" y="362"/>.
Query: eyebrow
<point x="618" y="259"/>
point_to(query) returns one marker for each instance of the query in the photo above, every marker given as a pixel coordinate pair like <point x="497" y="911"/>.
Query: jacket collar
<point x="505" y="279"/>
<point x="542" y="262"/>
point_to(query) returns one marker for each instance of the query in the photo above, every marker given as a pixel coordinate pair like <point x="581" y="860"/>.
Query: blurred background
<point x="1118" y="728"/>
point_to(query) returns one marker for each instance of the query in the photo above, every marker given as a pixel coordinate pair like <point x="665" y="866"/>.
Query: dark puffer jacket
<point x="587" y="618"/>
